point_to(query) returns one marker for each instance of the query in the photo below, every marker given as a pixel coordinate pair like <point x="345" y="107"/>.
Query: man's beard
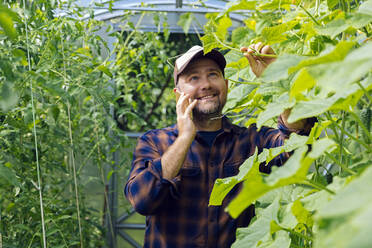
<point x="208" y="113"/>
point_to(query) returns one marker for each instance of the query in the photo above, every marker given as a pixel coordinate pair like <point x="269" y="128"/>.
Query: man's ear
<point x="227" y="83"/>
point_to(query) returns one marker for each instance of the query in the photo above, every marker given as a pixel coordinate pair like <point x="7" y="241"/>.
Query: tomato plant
<point x="320" y="197"/>
<point x="59" y="75"/>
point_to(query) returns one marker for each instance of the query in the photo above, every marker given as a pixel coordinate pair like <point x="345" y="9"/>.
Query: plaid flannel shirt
<point x="177" y="211"/>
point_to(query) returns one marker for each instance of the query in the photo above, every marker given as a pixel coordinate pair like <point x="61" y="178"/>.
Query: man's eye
<point x="194" y="78"/>
<point x="213" y="74"/>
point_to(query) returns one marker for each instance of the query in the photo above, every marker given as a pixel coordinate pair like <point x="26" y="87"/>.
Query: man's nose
<point x="206" y="83"/>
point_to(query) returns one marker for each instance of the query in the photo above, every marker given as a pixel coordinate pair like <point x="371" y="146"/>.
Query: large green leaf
<point x="274" y="109"/>
<point x="259" y="229"/>
<point x="223" y="24"/>
<point x="8" y="96"/>
<point x="345" y="221"/>
<point x="293" y="171"/>
<point x="338" y="53"/>
<point x="223" y="186"/>
<point x="8" y="175"/>
<point x="366" y="7"/>
<point x="209" y="42"/>
<point x="237" y="95"/>
<point x="185" y="21"/>
<point x="335" y="27"/>
<point x="6" y="22"/>
<point x="279" y="69"/>
<point x="303" y="81"/>
<point x="276" y="34"/>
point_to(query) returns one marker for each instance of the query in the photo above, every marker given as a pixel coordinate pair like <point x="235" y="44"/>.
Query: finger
<point x="191" y="107"/>
<point x="251" y="59"/>
<point x="259" y="46"/>
<point x="267" y="50"/>
<point x="244" y="49"/>
<point x="180" y="104"/>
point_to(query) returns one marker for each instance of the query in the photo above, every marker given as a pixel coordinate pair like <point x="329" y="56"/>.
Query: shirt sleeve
<point x="146" y="188"/>
<point x="269" y="138"/>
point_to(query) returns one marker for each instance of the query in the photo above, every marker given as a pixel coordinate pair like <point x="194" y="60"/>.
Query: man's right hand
<point x="175" y="155"/>
<point x="185" y="123"/>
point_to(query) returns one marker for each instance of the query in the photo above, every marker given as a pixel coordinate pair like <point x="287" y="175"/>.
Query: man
<point x="174" y="168"/>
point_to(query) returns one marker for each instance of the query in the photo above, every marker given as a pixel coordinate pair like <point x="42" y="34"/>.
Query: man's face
<point x="203" y="80"/>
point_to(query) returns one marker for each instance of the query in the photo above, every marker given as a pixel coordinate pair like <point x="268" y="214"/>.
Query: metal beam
<point x="129" y="239"/>
<point x="131" y="226"/>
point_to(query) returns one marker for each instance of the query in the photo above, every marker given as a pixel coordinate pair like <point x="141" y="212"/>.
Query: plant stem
<point x="238" y="50"/>
<point x="342" y="140"/>
<point x="225" y="45"/>
<point x="312" y="17"/>
<point x="344" y="167"/>
<point x="361" y="124"/>
<point x="343" y="131"/>
<point x="317" y="186"/>
<point x="365" y="92"/>
<point x="328" y="115"/>
<point x="249" y="83"/>
<point x="298" y="234"/>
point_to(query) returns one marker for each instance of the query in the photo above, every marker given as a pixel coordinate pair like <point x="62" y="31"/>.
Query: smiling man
<point x="174" y="168"/>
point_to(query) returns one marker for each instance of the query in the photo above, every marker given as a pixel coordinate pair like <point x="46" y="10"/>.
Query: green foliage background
<point x="323" y="70"/>
<point x="86" y="94"/>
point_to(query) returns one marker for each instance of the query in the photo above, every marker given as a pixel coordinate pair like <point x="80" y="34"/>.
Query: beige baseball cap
<point x="193" y="53"/>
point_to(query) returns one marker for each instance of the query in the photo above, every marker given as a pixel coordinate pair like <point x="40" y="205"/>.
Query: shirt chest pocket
<point x="190" y="172"/>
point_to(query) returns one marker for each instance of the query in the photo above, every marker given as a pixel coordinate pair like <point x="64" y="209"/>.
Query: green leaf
<point x="301" y="214"/>
<point x="105" y="70"/>
<point x="290" y="171"/>
<point x="259" y="229"/>
<point x="223" y="24"/>
<point x="185" y="21"/>
<point x="8" y="97"/>
<point x="242" y="36"/>
<point x="6" y="22"/>
<point x="304" y="81"/>
<point x="237" y="95"/>
<point x="242" y="5"/>
<point x="332" y="3"/>
<point x="281" y="239"/>
<point x="274" y="109"/>
<point x="209" y="42"/>
<point x="320" y="146"/>
<point x="356" y="64"/>
<point x="346" y="220"/>
<point x="275" y="34"/>
<point x="337" y="54"/>
<point x="359" y="20"/>
<point x="366" y="7"/>
<point x="223" y="186"/>
<point x="333" y="28"/>
<point x="293" y="171"/>
<point x="279" y="69"/>
<point x="8" y="175"/>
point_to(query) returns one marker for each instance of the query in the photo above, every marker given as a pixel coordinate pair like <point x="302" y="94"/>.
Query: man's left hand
<point x="258" y="63"/>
